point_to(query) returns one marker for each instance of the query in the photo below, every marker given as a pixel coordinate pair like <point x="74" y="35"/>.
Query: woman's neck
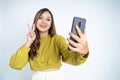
<point x="43" y="35"/>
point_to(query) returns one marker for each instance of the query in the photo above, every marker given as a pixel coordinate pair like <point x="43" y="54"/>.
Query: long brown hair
<point x="36" y="44"/>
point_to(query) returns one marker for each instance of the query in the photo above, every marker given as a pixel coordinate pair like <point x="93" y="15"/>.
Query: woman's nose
<point x="43" y="21"/>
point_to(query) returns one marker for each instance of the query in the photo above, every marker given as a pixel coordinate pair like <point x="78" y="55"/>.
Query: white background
<point x="103" y="29"/>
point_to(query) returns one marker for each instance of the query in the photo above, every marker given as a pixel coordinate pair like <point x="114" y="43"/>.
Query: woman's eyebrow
<point x="48" y="17"/>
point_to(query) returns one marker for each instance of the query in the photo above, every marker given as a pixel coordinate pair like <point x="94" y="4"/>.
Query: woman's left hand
<point x="81" y="46"/>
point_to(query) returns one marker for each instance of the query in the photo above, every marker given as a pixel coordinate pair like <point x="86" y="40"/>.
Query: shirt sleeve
<point x="68" y="56"/>
<point x="20" y="58"/>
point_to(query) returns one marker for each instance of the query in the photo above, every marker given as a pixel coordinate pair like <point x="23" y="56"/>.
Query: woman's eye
<point x="48" y="19"/>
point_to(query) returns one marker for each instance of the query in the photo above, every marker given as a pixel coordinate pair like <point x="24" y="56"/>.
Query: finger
<point x="76" y="38"/>
<point x="72" y="43"/>
<point x="79" y="31"/>
<point x="31" y="31"/>
<point x="34" y="33"/>
<point x="28" y="26"/>
<point x="84" y="36"/>
<point x="85" y="31"/>
<point x="72" y="48"/>
<point x="33" y="27"/>
<point x="29" y="34"/>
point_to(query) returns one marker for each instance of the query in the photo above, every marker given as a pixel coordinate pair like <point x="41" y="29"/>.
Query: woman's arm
<point x="77" y="52"/>
<point x="20" y="58"/>
<point x="69" y="56"/>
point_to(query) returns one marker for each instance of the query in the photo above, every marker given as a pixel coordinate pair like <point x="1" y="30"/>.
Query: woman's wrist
<point x="85" y="54"/>
<point x="28" y="44"/>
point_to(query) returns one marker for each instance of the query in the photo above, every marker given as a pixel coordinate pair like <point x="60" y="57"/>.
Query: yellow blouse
<point x="52" y="50"/>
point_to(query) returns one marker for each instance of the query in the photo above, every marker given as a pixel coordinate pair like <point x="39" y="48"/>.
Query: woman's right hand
<point x="31" y="35"/>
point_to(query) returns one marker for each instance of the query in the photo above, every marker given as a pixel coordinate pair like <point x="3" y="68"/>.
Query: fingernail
<point x="67" y="38"/>
<point x="76" y="26"/>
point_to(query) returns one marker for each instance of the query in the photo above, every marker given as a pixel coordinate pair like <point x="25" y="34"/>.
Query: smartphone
<point x="81" y="23"/>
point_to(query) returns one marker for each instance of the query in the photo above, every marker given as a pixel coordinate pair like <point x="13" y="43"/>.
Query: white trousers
<point x="47" y="75"/>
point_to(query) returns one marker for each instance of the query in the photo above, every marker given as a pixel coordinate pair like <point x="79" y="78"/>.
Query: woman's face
<point x="44" y="22"/>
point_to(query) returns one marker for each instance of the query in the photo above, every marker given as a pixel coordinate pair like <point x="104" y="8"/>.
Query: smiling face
<point x="44" y="22"/>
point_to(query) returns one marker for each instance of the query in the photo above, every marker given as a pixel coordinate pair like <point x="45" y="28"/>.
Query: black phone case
<point x="81" y="23"/>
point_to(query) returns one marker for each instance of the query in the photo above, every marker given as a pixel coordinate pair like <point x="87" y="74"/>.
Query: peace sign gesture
<point x="31" y="35"/>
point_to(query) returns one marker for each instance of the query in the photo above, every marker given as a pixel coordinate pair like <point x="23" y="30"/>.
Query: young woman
<point x="44" y="49"/>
